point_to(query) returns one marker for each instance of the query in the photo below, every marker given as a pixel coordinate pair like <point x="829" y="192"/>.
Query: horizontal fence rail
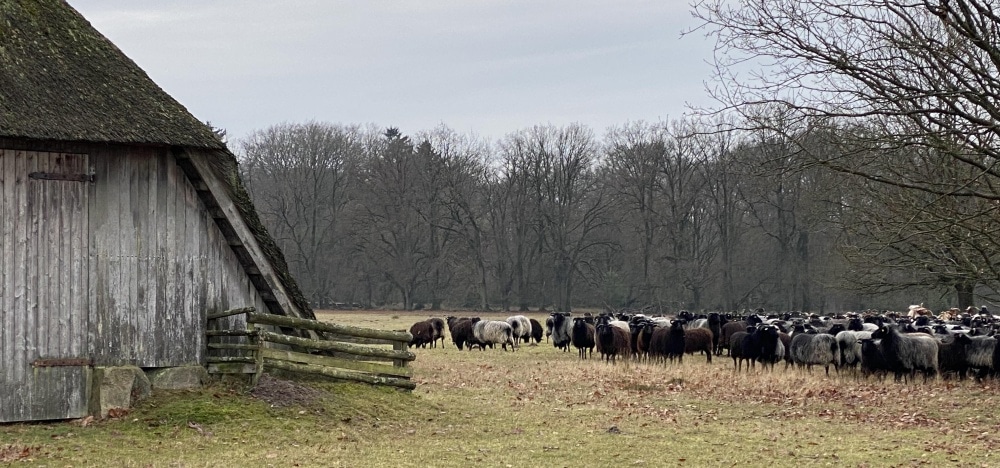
<point x="342" y="352"/>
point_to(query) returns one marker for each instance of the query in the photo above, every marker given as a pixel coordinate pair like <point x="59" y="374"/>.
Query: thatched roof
<point x="62" y="80"/>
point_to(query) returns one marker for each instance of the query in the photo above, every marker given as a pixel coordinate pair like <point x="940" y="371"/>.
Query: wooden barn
<point x="124" y="221"/>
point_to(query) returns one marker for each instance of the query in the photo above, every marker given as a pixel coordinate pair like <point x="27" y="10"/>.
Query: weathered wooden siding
<point x="159" y="262"/>
<point x="43" y="286"/>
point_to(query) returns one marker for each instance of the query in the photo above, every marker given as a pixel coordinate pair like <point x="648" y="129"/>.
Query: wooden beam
<point x="327" y="361"/>
<point x="229" y="359"/>
<point x="243" y="231"/>
<point x="343" y="374"/>
<point x="227" y="313"/>
<point x="232" y="346"/>
<point x="211" y="333"/>
<point x="337" y="346"/>
<point x="293" y="322"/>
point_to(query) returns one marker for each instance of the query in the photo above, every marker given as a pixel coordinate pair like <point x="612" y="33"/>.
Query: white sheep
<point x="520" y="327"/>
<point x="490" y="332"/>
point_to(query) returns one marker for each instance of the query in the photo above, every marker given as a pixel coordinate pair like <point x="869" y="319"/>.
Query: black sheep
<point x="728" y="329"/>
<point x="536" y="330"/>
<point x="635" y="327"/>
<point x="674" y="342"/>
<point x="644" y="339"/>
<point x="583" y="337"/>
<point x="461" y="331"/>
<point x="736" y="349"/>
<point x="836" y="328"/>
<point x="872" y="360"/>
<point x="771" y="348"/>
<point x="750" y="347"/>
<point x="952" y="356"/>
<point x="715" y="323"/>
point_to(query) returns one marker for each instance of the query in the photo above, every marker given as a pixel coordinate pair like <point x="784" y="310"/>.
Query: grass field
<point x="538" y="407"/>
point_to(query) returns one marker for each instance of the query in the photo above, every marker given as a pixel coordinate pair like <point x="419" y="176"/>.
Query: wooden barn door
<point x="44" y="367"/>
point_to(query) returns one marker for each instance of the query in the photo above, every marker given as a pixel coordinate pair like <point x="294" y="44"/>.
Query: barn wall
<point x="158" y="262"/>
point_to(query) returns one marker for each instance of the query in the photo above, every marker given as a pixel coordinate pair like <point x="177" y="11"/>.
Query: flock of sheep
<point x="872" y="343"/>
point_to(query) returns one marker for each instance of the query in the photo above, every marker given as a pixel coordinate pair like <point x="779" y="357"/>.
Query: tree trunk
<point x="804" y="277"/>
<point x="965" y="294"/>
<point x="484" y="304"/>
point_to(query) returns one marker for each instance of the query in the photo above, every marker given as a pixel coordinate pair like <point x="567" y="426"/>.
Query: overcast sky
<point x="485" y="67"/>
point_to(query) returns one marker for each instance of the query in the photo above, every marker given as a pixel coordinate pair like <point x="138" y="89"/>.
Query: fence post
<point x="258" y="360"/>
<point x="399" y="346"/>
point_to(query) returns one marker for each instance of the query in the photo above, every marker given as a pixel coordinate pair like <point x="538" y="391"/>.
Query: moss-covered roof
<point x="61" y="79"/>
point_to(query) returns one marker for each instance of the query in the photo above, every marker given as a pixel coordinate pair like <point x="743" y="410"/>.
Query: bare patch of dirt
<point x="283" y="393"/>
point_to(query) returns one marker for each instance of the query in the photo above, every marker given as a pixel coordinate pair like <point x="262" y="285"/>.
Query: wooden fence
<point x="338" y="351"/>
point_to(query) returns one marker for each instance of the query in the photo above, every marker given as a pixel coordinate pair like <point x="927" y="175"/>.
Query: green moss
<point x="203" y="407"/>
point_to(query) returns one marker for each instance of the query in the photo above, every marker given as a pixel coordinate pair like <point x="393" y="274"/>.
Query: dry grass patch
<point x="538" y="407"/>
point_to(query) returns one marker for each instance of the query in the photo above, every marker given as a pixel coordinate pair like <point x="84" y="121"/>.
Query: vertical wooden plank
<point x="21" y="262"/>
<point x="97" y="270"/>
<point x="10" y="261"/>
<point x="157" y="176"/>
<point x="74" y="254"/>
<point x="138" y="202"/>
<point x="174" y="225"/>
<point x="54" y="211"/>
<point x="81" y="264"/>
<point x="127" y="304"/>
<point x="195" y="231"/>
<point x="116" y="323"/>
<point x="7" y="388"/>
<point x="15" y="302"/>
<point x="61" y="263"/>
<point x="19" y="275"/>
<point x="38" y="254"/>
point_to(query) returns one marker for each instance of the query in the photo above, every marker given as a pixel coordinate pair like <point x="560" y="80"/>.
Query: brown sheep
<point x="698" y="339"/>
<point x="728" y="330"/>
<point x="612" y="342"/>
<point x="423" y="333"/>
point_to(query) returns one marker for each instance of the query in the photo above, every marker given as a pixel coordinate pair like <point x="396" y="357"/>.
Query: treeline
<point x="679" y="214"/>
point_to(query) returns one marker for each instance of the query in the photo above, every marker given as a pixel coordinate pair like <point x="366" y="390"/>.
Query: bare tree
<point x="896" y="80"/>
<point x="518" y="227"/>
<point x="635" y="154"/>
<point x="952" y="247"/>
<point x="573" y="201"/>
<point x="301" y="179"/>
<point x="389" y="228"/>
<point x="462" y="184"/>
<point x="723" y="175"/>
<point x="691" y="243"/>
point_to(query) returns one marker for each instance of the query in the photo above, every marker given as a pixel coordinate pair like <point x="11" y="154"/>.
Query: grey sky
<point x="485" y="67"/>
